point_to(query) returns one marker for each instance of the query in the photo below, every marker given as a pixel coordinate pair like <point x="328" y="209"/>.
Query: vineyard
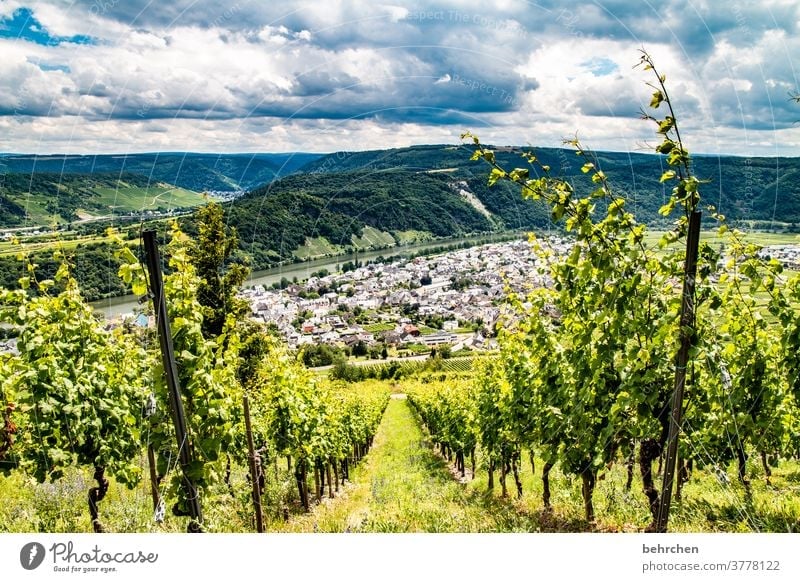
<point x="630" y="347"/>
<point x="77" y="396"/>
<point x="397" y="369"/>
<point x="634" y="372"/>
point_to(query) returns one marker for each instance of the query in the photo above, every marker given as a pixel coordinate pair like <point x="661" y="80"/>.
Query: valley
<point x="290" y="208"/>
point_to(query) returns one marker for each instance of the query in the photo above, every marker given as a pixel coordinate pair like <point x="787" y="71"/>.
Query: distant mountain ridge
<point x="191" y="171"/>
<point x="743" y="188"/>
<point x="299" y="206"/>
<point x="762" y="189"/>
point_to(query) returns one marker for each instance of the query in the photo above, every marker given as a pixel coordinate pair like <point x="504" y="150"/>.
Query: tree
<point x="359" y="349"/>
<point x="214" y="253"/>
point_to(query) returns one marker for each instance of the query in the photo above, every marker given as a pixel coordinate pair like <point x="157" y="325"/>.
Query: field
<point x="408" y="237"/>
<point x="379" y="327"/>
<point x="51" y="242"/>
<point x="135" y="199"/>
<point x="105" y="201"/>
<point x="372" y="238"/>
<point x="315" y="248"/>
<point x="712" y="237"/>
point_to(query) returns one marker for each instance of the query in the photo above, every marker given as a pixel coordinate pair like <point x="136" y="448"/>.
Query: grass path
<point x="402" y="486"/>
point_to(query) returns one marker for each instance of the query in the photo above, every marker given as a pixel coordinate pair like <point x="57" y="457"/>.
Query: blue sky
<point x="244" y="75"/>
<point x="23" y="25"/>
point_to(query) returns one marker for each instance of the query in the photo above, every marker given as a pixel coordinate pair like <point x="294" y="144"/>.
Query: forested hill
<point x="754" y="188"/>
<point x="438" y="190"/>
<point x="196" y="172"/>
<point x="761" y="189"/>
<point x="276" y="219"/>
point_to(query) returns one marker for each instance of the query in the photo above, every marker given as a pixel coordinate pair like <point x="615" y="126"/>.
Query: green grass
<point x="462" y="330"/>
<point x="402" y="486"/>
<point x="61" y="507"/>
<point x="425" y="330"/>
<point x="379" y="327"/>
<point x="415" y="348"/>
<point x="707" y="505"/>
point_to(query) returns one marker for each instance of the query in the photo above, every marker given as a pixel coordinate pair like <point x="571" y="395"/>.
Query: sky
<point x="124" y="76"/>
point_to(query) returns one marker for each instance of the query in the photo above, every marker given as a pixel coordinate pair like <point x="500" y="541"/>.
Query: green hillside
<point x="754" y="188"/>
<point x="42" y="198"/>
<point x="276" y="219"/>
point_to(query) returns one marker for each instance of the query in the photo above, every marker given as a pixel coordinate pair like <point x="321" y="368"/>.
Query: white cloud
<point x="296" y="76"/>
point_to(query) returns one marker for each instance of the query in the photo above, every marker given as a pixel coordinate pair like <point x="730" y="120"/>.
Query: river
<point x="121" y="306"/>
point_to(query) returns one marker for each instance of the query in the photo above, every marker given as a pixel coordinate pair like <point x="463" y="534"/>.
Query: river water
<point x="121" y="306"/>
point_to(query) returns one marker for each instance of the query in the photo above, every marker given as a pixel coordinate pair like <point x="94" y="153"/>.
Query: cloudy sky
<point x="117" y="76"/>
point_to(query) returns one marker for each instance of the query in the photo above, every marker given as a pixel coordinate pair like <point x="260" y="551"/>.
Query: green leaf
<point x="666" y="125"/>
<point x="496" y="175"/>
<point x="667" y="208"/>
<point x="666" y="146"/>
<point x="658" y="97"/>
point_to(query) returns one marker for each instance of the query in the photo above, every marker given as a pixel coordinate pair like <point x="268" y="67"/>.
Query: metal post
<point x="686" y="332"/>
<point x="251" y="457"/>
<point x="171" y="372"/>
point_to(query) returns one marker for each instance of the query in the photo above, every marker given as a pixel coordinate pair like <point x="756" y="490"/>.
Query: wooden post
<point x="151" y="461"/>
<point x="171" y="372"/>
<point x="251" y="457"/>
<point x="686" y="337"/>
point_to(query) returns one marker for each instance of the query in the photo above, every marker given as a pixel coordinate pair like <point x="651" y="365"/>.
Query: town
<point x="407" y="305"/>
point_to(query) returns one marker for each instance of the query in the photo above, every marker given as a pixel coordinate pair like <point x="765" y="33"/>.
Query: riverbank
<point x="115" y="307"/>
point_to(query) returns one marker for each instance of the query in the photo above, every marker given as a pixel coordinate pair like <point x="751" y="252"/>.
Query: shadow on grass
<point x="743" y="516"/>
<point x="508" y="515"/>
<point x="433" y="462"/>
<point x="793" y="477"/>
<point x="513" y="518"/>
